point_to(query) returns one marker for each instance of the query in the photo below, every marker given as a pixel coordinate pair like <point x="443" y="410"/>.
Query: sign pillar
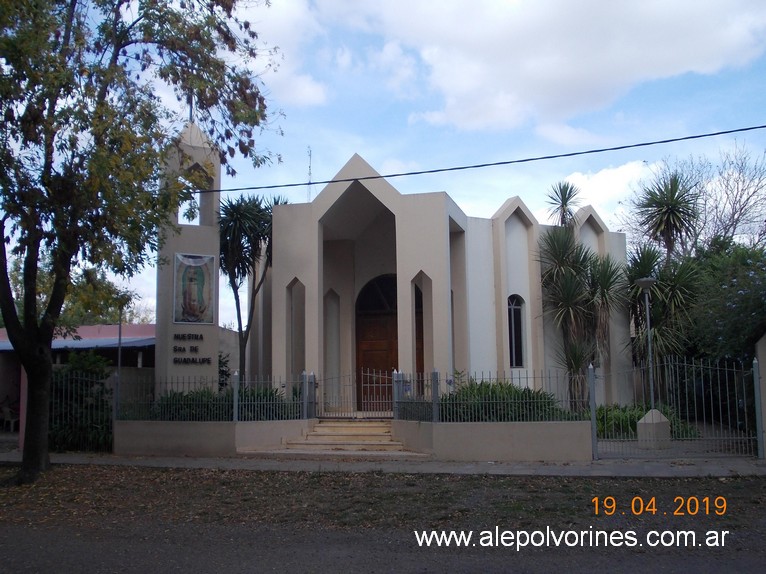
<point x="187" y="340"/>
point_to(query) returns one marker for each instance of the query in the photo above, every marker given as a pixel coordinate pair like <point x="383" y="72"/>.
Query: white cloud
<point x="609" y="189"/>
<point x="502" y="64"/>
<point x="297" y="89"/>
<point x="288" y="27"/>
<point x="398" y="67"/>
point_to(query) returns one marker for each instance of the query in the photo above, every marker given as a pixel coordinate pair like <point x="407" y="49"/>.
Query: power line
<point x="491" y="164"/>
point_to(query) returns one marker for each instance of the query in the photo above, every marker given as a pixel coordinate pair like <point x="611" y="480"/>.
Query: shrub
<point x="620" y="422"/>
<point x="80" y="411"/>
<point x="197" y="405"/>
<point x="266" y="404"/>
<point x="206" y="404"/>
<point x="500" y="401"/>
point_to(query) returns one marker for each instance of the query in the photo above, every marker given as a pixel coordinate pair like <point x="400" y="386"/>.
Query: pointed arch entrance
<point x="377" y="344"/>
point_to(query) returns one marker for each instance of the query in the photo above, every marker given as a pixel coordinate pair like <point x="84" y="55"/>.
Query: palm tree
<point x="562" y="198"/>
<point x="667" y="210"/>
<point x="560" y="250"/>
<point x="672" y="297"/>
<point x="245" y="241"/>
<point x="580" y="293"/>
<point x="608" y="294"/>
<point x="643" y="261"/>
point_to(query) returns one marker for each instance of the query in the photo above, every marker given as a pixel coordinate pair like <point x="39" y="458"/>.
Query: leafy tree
<point x="245" y="240"/>
<point x="92" y="298"/>
<point x="85" y="140"/>
<point x="608" y="294"/>
<point x="729" y="316"/>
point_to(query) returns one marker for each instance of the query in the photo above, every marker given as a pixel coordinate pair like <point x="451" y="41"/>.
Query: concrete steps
<point x="349" y="436"/>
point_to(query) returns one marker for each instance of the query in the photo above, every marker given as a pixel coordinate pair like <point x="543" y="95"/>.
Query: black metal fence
<point x="80" y="412"/>
<point x="521" y="396"/>
<point x="205" y="400"/>
<point x="710" y="406"/>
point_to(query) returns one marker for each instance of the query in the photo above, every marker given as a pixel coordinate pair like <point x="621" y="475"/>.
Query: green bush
<point x="197" y="405"/>
<point x="266" y="404"/>
<point x="500" y="401"/>
<point x="80" y="412"/>
<point x="206" y="404"/>
<point x="620" y="422"/>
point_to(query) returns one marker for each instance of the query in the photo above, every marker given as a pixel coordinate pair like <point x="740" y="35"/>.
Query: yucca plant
<point x="671" y="298"/>
<point x="581" y="291"/>
<point x="608" y="295"/>
<point x="563" y="200"/>
<point x="575" y="357"/>
<point x="667" y="210"/>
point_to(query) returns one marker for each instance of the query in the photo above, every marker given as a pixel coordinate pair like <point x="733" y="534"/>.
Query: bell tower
<point x="187" y="330"/>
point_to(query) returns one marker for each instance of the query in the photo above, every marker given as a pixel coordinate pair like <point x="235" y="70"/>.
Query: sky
<point x="421" y="85"/>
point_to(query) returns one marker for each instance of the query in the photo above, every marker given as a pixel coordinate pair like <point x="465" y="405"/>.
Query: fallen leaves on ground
<point x="89" y="496"/>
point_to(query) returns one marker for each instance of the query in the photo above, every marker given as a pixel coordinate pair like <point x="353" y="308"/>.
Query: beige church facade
<point x="367" y="278"/>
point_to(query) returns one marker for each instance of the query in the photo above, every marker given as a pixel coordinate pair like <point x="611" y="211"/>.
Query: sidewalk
<point x="335" y="462"/>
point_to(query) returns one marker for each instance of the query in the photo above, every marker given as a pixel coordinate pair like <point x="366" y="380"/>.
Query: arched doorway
<point x="377" y="345"/>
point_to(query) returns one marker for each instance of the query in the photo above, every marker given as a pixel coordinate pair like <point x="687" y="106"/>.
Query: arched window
<point x="515" y="340"/>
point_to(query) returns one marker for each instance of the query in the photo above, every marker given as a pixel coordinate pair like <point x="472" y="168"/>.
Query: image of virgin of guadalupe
<point x="193" y="289"/>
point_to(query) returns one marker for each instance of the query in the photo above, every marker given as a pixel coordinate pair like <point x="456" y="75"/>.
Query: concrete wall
<point x="760" y="353"/>
<point x="517" y="271"/>
<point x="502" y="442"/>
<point x="263" y="435"/>
<point x="480" y="296"/>
<point x="160" y="438"/>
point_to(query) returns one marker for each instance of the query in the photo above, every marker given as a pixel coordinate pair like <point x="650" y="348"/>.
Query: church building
<point x="365" y="278"/>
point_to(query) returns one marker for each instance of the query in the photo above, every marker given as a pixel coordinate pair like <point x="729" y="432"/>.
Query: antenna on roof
<point x="308" y="185"/>
<point x="190" y="102"/>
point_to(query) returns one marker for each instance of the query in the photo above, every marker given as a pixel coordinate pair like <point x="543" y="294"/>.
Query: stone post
<point x="653" y="431"/>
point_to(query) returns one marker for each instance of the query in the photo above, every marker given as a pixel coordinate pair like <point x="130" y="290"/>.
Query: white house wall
<point x="294" y="240"/>
<point x="620" y="388"/>
<point x="590" y="237"/>
<point x="422" y="245"/>
<point x="375" y="251"/>
<point x="481" y="295"/>
<point x="339" y="279"/>
<point x="517" y="253"/>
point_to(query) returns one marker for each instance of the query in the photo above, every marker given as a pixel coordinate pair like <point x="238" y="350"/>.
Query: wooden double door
<point x="377" y="347"/>
<point x="377" y="356"/>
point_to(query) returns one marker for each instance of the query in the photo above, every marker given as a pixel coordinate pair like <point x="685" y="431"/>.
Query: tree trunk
<point x="35" y="458"/>
<point x="242" y="357"/>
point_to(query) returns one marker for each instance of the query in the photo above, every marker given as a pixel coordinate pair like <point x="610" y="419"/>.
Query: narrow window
<point x="515" y="305"/>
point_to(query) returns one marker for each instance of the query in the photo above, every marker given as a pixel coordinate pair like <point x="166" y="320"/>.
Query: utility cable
<point x="491" y="164"/>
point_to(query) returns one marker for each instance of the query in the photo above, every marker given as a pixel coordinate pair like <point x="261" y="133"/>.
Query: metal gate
<point x="710" y="408"/>
<point x="367" y="395"/>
